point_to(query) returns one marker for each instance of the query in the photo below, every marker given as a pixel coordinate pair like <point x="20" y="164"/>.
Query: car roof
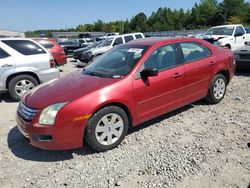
<point x="230" y="25"/>
<point x="9" y="38"/>
<point x="152" y="41"/>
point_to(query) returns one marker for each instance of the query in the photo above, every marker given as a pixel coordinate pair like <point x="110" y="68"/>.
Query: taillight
<point x="62" y="52"/>
<point x="52" y="62"/>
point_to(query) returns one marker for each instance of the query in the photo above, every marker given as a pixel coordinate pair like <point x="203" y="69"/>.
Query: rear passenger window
<point x="118" y="41"/>
<point x="47" y="45"/>
<point x="138" y="36"/>
<point x="128" y="38"/>
<point x="3" y="54"/>
<point x="24" y="47"/>
<point x="193" y="51"/>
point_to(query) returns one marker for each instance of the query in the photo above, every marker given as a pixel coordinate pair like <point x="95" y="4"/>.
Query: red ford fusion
<point x="125" y="87"/>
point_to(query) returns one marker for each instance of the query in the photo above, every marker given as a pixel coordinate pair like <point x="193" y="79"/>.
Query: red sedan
<point x="55" y="49"/>
<point x="126" y="86"/>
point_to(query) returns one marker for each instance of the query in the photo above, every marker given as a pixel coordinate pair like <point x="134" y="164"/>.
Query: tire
<point x="217" y="89"/>
<point x="21" y="84"/>
<point x="228" y="46"/>
<point x="99" y="131"/>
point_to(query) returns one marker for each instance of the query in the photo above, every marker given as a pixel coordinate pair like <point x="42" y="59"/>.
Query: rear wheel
<point x="217" y="89"/>
<point x="21" y="84"/>
<point x="107" y="128"/>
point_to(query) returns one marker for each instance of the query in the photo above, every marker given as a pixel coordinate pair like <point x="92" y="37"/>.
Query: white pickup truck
<point x="230" y="36"/>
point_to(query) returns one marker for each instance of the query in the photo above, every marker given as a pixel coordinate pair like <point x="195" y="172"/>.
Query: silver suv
<point x="23" y="65"/>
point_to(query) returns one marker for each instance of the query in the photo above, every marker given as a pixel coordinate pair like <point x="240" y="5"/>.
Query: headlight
<point x="236" y="56"/>
<point x="48" y="114"/>
<point x="218" y="43"/>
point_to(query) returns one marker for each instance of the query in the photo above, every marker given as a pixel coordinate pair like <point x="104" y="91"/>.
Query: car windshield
<point x="106" y="42"/>
<point x="220" y="31"/>
<point x="116" y="63"/>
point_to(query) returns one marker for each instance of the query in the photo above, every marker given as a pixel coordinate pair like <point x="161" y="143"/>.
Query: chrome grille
<point x="26" y="112"/>
<point x="245" y="56"/>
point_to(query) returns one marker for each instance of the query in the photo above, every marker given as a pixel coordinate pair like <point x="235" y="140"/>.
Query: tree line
<point x="204" y="14"/>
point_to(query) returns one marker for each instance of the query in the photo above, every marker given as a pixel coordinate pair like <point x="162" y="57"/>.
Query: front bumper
<point x="243" y="63"/>
<point x="47" y="75"/>
<point x="63" y="135"/>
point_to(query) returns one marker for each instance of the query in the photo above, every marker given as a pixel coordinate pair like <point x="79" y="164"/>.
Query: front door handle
<point x="177" y="75"/>
<point x="7" y="65"/>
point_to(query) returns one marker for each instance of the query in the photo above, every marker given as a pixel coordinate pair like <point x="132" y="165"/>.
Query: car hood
<point x="216" y="37"/>
<point x="100" y="50"/>
<point x="65" y="89"/>
<point x="81" y="49"/>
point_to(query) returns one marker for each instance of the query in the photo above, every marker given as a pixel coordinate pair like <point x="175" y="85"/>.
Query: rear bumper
<point x="47" y="75"/>
<point x="61" y="60"/>
<point x="62" y="136"/>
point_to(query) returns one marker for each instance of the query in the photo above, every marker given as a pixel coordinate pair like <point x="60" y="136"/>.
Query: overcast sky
<point x="24" y="15"/>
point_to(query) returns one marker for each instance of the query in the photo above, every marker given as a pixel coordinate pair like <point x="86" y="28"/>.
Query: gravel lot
<point x="199" y="145"/>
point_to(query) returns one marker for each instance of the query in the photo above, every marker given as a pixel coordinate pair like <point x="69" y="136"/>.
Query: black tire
<point x="228" y="46"/>
<point x="14" y="81"/>
<point x="90" y="132"/>
<point x="214" y="97"/>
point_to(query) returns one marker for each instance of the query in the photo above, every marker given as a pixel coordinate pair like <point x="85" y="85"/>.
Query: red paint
<point x="171" y="89"/>
<point x="57" y="51"/>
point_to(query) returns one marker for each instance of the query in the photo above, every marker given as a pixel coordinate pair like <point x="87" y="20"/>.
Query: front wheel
<point x="21" y="84"/>
<point x="217" y="89"/>
<point x="107" y="128"/>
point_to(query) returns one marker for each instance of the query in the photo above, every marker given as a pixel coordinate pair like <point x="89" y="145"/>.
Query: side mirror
<point x="149" y="73"/>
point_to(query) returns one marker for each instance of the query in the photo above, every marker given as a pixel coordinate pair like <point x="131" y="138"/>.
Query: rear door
<point x="30" y="54"/>
<point x="198" y="65"/>
<point x="157" y="95"/>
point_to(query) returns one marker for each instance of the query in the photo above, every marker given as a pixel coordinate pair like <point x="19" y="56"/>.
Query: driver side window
<point x="162" y="58"/>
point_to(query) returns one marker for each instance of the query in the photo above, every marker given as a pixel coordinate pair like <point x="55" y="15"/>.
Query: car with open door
<point x="126" y="86"/>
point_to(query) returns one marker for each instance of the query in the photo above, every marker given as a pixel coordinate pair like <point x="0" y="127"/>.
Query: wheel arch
<point x="122" y="106"/>
<point x="226" y="74"/>
<point x="10" y="77"/>
<point x="228" y="45"/>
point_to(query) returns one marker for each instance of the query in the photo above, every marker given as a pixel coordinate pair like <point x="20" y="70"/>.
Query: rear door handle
<point x="212" y="63"/>
<point x="177" y="75"/>
<point x="7" y="65"/>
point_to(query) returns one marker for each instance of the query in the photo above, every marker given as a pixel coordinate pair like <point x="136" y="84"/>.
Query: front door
<point x="157" y="95"/>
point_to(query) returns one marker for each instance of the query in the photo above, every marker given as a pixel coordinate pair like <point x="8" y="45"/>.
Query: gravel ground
<point x="199" y="145"/>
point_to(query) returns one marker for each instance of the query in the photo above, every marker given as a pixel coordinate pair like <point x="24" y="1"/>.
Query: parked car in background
<point x="77" y="54"/>
<point x="230" y="36"/>
<point x="248" y="33"/>
<point x="128" y="85"/>
<point x="69" y="46"/>
<point x="85" y="41"/>
<point x="109" y="43"/>
<point x="54" y="48"/>
<point x="24" y="64"/>
<point x="107" y="35"/>
<point x="242" y="57"/>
